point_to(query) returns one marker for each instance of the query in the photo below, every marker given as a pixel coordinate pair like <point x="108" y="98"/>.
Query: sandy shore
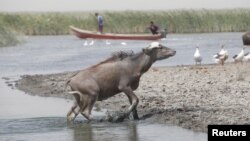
<point x="188" y="96"/>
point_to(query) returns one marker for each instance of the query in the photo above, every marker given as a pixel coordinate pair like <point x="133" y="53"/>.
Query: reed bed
<point x="175" y="21"/>
<point x="8" y="37"/>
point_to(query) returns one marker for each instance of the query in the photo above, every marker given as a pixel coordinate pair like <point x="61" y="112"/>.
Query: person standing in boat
<point x="100" y="22"/>
<point x="153" y="28"/>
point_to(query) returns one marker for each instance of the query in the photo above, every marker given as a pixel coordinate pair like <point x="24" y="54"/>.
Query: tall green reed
<point x="8" y="37"/>
<point x="175" y="21"/>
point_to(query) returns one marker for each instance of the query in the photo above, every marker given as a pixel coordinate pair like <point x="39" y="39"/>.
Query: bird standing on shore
<point x="221" y="57"/>
<point x="239" y="57"/>
<point x="197" y="56"/>
<point x="246" y="57"/>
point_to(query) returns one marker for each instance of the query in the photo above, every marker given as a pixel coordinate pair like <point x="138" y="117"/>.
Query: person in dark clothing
<point x="100" y="22"/>
<point x="153" y="28"/>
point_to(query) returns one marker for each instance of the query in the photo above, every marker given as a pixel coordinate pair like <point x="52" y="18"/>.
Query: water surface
<point x="46" y="54"/>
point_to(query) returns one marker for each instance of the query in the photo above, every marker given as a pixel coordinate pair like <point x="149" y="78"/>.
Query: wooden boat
<point x="89" y="34"/>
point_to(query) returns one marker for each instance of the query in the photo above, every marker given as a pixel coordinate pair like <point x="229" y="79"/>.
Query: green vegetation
<point x="176" y="21"/>
<point x="8" y="37"/>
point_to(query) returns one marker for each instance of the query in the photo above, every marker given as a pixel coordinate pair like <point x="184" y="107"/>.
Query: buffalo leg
<point x="84" y="110"/>
<point x="73" y="112"/>
<point x="135" y="115"/>
<point x="76" y="108"/>
<point x="133" y="101"/>
<point x="90" y="101"/>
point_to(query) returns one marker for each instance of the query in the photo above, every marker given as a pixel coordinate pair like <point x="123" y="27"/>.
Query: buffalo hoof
<point x="71" y="116"/>
<point x="135" y="115"/>
<point x="118" y="117"/>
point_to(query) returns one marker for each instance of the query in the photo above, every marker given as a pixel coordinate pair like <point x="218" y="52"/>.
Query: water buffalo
<point x="246" y="38"/>
<point x="119" y="73"/>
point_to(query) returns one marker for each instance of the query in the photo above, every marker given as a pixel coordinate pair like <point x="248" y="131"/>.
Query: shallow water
<point x="24" y="117"/>
<point x="56" y="128"/>
<point x="46" y="54"/>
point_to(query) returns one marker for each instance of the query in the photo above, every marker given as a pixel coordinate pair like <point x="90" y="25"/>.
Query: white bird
<point x="91" y="43"/>
<point x="239" y="57"/>
<point x="246" y="57"/>
<point x="123" y="43"/>
<point x="197" y="56"/>
<point x="221" y="57"/>
<point x="107" y="42"/>
<point x="85" y="43"/>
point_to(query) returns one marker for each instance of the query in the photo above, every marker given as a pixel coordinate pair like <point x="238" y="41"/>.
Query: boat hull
<point x="89" y="34"/>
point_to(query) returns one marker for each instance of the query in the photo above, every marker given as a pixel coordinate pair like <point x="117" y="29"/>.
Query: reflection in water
<point x="83" y="132"/>
<point x="105" y="131"/>
<point x="57" y="129"/>
<point x="133" y="136"/>
<point x="132" y="131"/>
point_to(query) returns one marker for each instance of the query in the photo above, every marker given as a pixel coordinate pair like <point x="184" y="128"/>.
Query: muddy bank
<point x="188" y="96"/>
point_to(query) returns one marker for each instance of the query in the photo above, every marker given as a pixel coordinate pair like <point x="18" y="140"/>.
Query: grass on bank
<point x="176" y="21"/>
<point x="8" y="37"/>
